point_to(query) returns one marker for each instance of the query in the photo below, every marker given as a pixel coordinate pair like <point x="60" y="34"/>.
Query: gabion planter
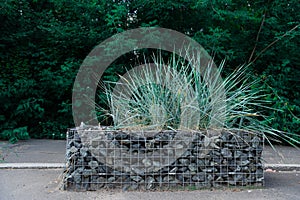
<point x="125" y="160"/>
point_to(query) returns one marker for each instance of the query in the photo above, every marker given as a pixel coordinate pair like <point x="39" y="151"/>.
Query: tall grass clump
<point x="180" y="95"/>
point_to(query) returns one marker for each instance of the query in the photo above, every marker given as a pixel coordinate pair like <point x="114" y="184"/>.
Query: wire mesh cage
<point x="98" y="158"/>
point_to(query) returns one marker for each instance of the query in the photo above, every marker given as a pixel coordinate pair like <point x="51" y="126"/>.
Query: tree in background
<point x="44" y="42"/>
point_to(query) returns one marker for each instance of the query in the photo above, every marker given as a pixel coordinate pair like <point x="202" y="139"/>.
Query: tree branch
<point x="257" y="36"/>
<point x="272" y="43"/>
<point x="212" y="6"/>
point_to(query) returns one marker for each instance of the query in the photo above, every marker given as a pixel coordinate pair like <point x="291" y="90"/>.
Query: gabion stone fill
<point x="98" y="158"/>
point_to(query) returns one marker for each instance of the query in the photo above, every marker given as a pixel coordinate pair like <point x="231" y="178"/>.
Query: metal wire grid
<point x="130" y="171"/>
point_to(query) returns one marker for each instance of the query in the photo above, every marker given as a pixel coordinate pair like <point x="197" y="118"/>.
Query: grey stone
<point x="210" y="178"/>
<point x="79" y="170"/>
<point x="100" y="152"/>
<point x="215" y="162"/>
<point x="186" y="154"/>
<point x="73" y="157"/>
<point x="249" y="148"/>
<point x="114" y="144"/>
<point x="252" y="167"/>
<point x="200" y="163"/>
<point x="182" y="169"/>
<point x="237" y="154"/>
<point x="173" y="170"/>
<point x="238" y="177"/>
<point x="93" y="164"/>
<point x="231" y="146"/>
<point x="97" y="143"/>
<point x="245" y="162"/>
<point x="84" y="152"/>
<point x="124" y="148"/>
<point x="215" y="154"/>
<point x="199" y="177"/>
<point x="231" y="182"/>
<point x="134" y="186"/>
<point x="223" y="172"/>
<point x="226" y="153"/>
<point x="89" y="172"/>
<point x="70" y="144"/>
<point x="94" y="178"/>
<point x="150" y="144"/>
<point x="260" y="179"/>
<point x="138" y="171"/>
<point x="85" y="183"/>
<point x="76" y="177"/>
<point x="109" y="160"/>
<point x="174" y="183"/>
<point x="179" y="146"/>
<point x="219" y="179"/>
<point x="69" y="178"/>
<point x="159" y="179"/>
<point x="93" y="187"/>
<point x="126" y="187"/>
<point x="238" y="168"/>
<point x="136" y="146"/>
<point x="244" y="157"/>
<point x="238" y="141"/>
<point x="187" y="174"/>
<point x="115" y="153"/>
<point x="101" y="181"/>
<point x="85" y="180"/>
<point x="125" y="142"/>
<point x="149" y="182"/>
<point x="259" y="172"/>
<point x="180" y="177"/>
<point x="102" y="169"/>
<point x="168" y="179"/>
<point x="184" y="161"/>
<point x="210" y="170"/>
<point x="73" y="149"/>
<point x="156" y="164"/>
<point x="121" y="136"/>
<point x="77" y="145"/>
<point x="136" y="178"/>
<point x="147" y="162"/>
<point x="78" y="186"/>
<point x="255" y="142"/>
<point x="206" y="141"/>
<point x="246" y="169"/>
<point x="76" y="138"/>
<point x="168" y="152"/>
<point x="118" y="173"/>
<point x="192" y="167"/>
<point x="258" y="150"/>
<point x="224" y="136"/>
<point x="111" y="179"/>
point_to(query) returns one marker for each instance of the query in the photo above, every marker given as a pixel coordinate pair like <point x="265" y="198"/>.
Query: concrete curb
<point x="277" y="167"/>
<point x="32" y="165"/>
<point x="283" y="167"/>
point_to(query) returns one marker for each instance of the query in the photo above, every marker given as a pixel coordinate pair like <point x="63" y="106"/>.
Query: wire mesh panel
<point x="98" y="158"/>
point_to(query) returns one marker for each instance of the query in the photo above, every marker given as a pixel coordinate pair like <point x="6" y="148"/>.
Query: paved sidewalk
<point x="53" y="151"/>
<point x="34" y="171"/>
<point x="33" y="151"/>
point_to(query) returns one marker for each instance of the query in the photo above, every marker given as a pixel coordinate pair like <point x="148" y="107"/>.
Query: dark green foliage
<point x="43" y="43"/>
<point x="13" y="135"/>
